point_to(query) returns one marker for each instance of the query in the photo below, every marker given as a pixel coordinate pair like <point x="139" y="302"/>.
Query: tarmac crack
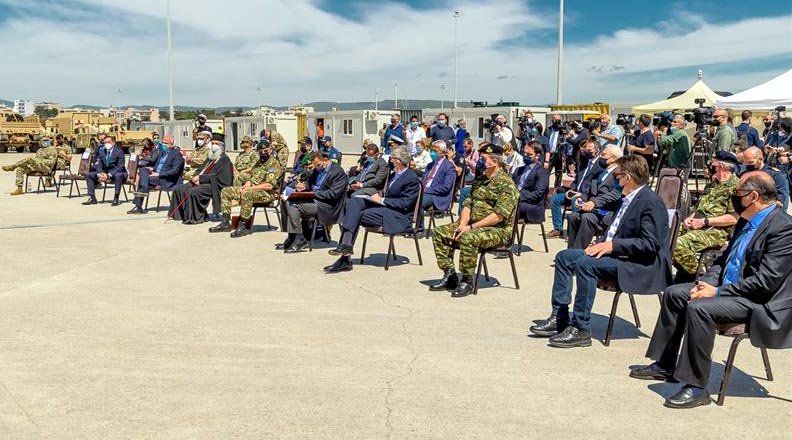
<point x="21" y="408"/>
<point x="410" y="368"/>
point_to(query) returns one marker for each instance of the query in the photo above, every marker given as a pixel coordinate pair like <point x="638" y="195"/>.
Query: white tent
<point x="684" y="101"/>
<point x="767" y="96"/>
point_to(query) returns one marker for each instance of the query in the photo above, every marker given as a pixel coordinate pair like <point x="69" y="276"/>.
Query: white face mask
<point x="108" y="146"/>
<point x="201" y="142"/>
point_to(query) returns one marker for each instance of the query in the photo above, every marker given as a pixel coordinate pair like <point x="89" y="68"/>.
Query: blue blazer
<point x="172" y="169"/>
<point x="533" y="193"/>
<point x="442" y="183"/>
<point x="400" y="199"/>
<point x="114" y="166"/>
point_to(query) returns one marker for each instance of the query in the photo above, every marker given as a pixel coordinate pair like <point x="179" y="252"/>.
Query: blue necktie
<point x="107" y="159"/>
<point x="734" y="263"/>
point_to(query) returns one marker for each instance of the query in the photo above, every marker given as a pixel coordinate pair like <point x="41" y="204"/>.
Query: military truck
<point x="82" y="128"/>
<point x="18" y="133"/>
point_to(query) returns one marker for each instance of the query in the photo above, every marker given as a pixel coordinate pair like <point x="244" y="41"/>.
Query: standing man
<point x="753" y="159"/>
<point x="486" y="221"/>
<point x="461" y="135"/>
<point x="108" y="167"/>
<point x="674" y="143"/>
<point x="395" y="129"/>
<point x="633" y="252"/>
<point x="553" y="160"/>
<point x="749" y="133"/>
<point x="724" y="135"/>
<point x="644" y="144"/>
<point x="610" y="134"/>
<point x="441" y="131"/>
<point x="749" y="283"/>
<point x="166" y="173"/>
<point x="503" y="134"/>
<point x="414" y="133"/>
<point x="200" y="128"/>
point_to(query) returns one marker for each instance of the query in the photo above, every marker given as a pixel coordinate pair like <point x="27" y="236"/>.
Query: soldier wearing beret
<point x="486" y="221"/>
<point x="711" y="223"/>
<point x="262" y="187"/>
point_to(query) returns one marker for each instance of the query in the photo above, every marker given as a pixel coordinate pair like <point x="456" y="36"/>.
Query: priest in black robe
<point x="190" y="200"/>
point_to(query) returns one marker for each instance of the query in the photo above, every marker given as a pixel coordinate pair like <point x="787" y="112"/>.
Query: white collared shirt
<point x="413" y="136"/>
<point x="626" y="200"/>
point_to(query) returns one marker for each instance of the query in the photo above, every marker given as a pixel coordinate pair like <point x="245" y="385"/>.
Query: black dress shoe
<point x="688" y="397"/>
<point x="343" y="264"/>
<point x="90" y="201"/>
<point x="652" y="372"/>
<point x="135" y="210"/>
<point x="341" y="249"/>
<point x="448" y="282"/>
<point x="464" y="288"/>
<point x="297" y="247"/>
<point x="571" y="337"/>
<point x="549" y="327"/>
<point x="241" y="231"/>
<point x="115" y="202"/>
<point x="223" y="226"/>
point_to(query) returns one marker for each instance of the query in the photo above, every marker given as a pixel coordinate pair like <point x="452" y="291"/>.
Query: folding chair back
<point x="132" y="167"/>
<point x="669" y="188"/>
<point x="673" y="233"/>
<point x="416" y="210"/>
<point x="85" y="165"/>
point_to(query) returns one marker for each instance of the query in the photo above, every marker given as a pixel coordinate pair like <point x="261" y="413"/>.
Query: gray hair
<point x="442" y="145"/>
<point x="402" y="155"/>
<point x="462" y="123"/>
<point x="614" y="151"/>
<point x="216" y="149"/>
<point x="681" y="119"/>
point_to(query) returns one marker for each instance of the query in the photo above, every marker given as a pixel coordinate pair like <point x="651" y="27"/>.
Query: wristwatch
<point x="706" y="222"/>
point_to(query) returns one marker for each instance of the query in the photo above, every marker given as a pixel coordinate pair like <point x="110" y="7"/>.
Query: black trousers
<point x="360" y="213"/>
<point x="696" y="322"/>
<point x="581" y="229"/>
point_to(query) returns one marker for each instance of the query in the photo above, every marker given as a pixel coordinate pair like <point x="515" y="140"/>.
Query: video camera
<point x="491" y="123"/>
<point x="624" y="119"/>
<point x="663" y="119"/>
<point x="528" y="129"/>
<point x="702" y="115"/>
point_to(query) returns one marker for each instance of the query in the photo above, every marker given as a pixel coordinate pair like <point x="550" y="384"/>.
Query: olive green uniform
<point x="715" y="201"/>
<point x="497" y="194"/>
<point x="245" y="160"/>
<point x="196" y="161"/>
<point x="279" y="148"/>
<point x="723" y="139"/>
<point x="269" y="172"/>
<point x="41" y="162"/>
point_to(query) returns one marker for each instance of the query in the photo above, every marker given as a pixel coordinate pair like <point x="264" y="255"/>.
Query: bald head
<point x="760" y="182"/>
<point x="752" y="156"/>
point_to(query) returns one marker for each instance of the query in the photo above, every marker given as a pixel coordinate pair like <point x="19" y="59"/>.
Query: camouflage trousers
<point x="29" y="165"/>
<point x="690" y="243"/>
<point x="246" y="200"/>
<point x="469" y="245"/>
<point x="241" y="178"/>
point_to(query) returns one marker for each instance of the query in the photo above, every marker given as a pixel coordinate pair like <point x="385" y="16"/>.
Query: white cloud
<point x="299" y="53"/>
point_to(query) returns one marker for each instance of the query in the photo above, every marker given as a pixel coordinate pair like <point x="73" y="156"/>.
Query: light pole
<point x="456" y="55"/>
<point x="442" y="96"/>
<point x="559" y="70"/>
<point x="376" y="101"/>
<point x="258" y="95"/>
<point x="170" y="65"/>
<point x="396" y="101"/>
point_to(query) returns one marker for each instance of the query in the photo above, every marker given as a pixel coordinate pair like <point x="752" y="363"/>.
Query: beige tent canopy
<point x="684" y="101"/>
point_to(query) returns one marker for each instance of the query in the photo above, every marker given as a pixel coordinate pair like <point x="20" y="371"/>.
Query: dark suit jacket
<point x="641" y="246"/>
<point x="116" y="164"/>
<point x="533" y="193"/>
<point x="220" y="176"/>
<point x="765" y="279"/>
<point x="604" y="190"/>
<point x="172" y="169"/>
<point x="375" y="175"/>
<point x="400" y="199"/>
<point x="331" y="195"/>
<point x="584" y="188"/>
<point x="442" y="183"/>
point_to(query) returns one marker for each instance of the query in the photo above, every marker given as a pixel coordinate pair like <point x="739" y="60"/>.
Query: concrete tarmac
<point x="131" y="327"/>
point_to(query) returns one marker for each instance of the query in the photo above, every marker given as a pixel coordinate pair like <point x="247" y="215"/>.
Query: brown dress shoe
<point x="554" y="234"/>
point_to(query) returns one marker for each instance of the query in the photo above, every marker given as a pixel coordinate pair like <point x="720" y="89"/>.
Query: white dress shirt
<point x="626" y="200"/>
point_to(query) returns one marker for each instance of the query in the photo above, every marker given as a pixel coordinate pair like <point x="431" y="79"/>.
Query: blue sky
<point x="84" y="51"/>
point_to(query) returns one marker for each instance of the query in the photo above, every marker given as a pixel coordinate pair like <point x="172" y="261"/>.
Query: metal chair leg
<point x="478" y="274"/>
<point x="520" y="240"/>
<point x="612" y="319"/>
<point x="313" y="235"/>
<point x="418" y="250"/>
<point x="766" y="361"/>
<point x="266" y="217"/>
<point x="544" y="238"/>
<point x="390" y="250"/>
<point x="634" y="310"/>
<point x="159" y="199"/>
<point x="728" y="368"/>
<point x="486" y="270"/>
<point x="514" y="270"/>
<point x="363" y="252"/>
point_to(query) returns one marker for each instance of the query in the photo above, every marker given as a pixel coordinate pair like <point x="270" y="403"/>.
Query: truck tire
<point x="3" y="149"/>
<point x="20" y="149"/>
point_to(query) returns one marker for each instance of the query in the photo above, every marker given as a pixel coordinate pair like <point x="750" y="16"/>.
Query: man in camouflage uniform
<point x="486" y="221"/>
<point x="43" y="161"/>
<point x="197" y="159"/>
<point x="281" y="150"/>
<point x="244" y="163"/>
<point x="711" y="223"/>
<point x="263" y="187"/>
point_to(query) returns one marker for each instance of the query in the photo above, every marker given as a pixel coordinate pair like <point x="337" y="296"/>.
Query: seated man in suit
<point x="165" y="173"/>
<point x="748" y="283"/>
<point x="634" y="252"/>
<point x="586" y="170"/>
<point x="372" y="173"/>
<point x="532" y="180"/>
<point x="328" y="182"/>
<point x="108" y="167"/>
<point x="486" y="222"/>
<point x="438" y="183"/>
<point x="597" y="204"/>
<point x="392" y="211"/>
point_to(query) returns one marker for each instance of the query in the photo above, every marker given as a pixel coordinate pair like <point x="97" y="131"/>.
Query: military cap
<point x="327" y="139"/>
<point x="307" y="140"/>
<point x="264" y="143"/>
<point x="491" y="149"/>
<point x="247" y="139"/>
<point x="726" y="156"/>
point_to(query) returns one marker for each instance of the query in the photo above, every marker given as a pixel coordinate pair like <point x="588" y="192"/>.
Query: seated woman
<point x="191" y="199"/>
<point x="148" y="157"/>
<point x="513" y="159"/>
<point x="422" y="157"/>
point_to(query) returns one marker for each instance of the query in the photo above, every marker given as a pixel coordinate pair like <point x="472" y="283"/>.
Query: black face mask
<point x="750" y="168"/>
<point x="712" y="170"/>
<point x="737" y="203"/>
<point x="768" y="124"/>
<point x="481" y="165"/>
<point x="603" y="163"/>
<point x="716" y="123"/>
<point x="263" y="157"/>
<point x="304" y="149"/>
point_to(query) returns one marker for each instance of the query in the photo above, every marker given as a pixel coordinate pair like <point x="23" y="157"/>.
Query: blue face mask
<point x="434" y="155"/>
<point x="527" y="159"/>
<point x="441" y="124"/>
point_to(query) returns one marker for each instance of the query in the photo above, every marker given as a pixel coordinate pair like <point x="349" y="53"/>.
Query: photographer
<point x="609" y="134"/>
<point x="575" y="138"/>
<point x="676" y="141"/>
<point x="502" y="134"/>
<point x="724" y="136"/>
<point x="528" y="130"/>
<point x="644" y="143"/>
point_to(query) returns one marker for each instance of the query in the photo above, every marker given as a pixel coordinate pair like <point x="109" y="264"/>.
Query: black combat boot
<point x="464" y="288"/>
<point x="223" y="226"/>
<point x="241" y="231"/>
<point x="448" y="282"/>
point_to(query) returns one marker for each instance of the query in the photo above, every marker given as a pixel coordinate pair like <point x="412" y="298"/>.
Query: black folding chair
<point x="391" y="247"/>
<point x="82" y="171"/>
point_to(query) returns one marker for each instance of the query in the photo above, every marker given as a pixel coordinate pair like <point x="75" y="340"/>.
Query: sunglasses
<point x="619" y="175"/>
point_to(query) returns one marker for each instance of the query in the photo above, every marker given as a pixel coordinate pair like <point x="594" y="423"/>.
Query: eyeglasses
<point x="619" y="175"/>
